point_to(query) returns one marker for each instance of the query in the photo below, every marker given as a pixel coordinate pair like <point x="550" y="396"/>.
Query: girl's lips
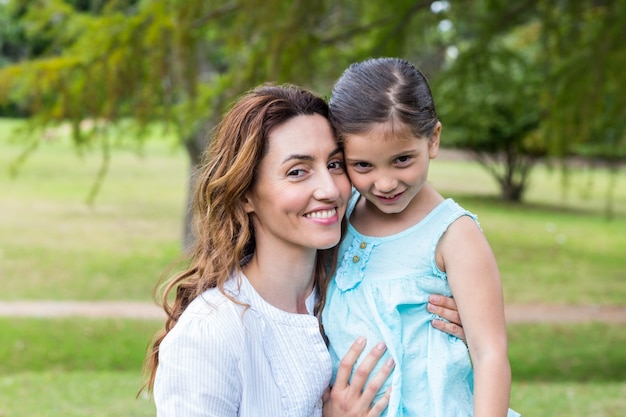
<point x="389" y="200"/>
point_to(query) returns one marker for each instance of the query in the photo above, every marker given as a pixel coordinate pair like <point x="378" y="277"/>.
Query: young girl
<point x="405" y="241"/>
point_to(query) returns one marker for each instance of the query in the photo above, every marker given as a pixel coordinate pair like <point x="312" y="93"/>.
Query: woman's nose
<point x="326" y="187"/>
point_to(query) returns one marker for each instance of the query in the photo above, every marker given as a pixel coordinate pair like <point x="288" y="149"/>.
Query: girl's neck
<point x="284" y="281"/>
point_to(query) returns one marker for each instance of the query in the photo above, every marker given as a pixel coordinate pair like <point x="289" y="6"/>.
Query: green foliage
<point x="489" y="100"/>
<point x="585" y="53"/>
<point x="535" y="77"/>
<point x="185" y="61"/>
<point x="530" y="77"/>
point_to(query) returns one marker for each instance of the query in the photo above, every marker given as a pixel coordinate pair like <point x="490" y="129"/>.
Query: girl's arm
<point x="352" y="398"/>
<point x="468" y="260"/>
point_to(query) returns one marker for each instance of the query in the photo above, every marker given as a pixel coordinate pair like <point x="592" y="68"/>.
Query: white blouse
<point x="222" y="359"/>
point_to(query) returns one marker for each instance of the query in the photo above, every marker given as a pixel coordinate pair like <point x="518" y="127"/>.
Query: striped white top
<point x="223" y="360"/>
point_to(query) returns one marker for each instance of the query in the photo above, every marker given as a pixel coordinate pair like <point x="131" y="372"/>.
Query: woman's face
<point x="301" y="190"/>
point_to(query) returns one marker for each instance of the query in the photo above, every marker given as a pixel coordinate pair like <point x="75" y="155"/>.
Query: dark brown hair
<point x="382" y="90"/>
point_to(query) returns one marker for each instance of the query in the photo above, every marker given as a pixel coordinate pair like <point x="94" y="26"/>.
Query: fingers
<point x="352" y="397"/>
<point x="444" y="307"/>
<point x="450" y="328"/>
<point x="374" y="385"/>
<point x="326" y="395"/>
<point x="347" y="362"/>
<point x="365" y="368"/>
<point x="380" y="405"/>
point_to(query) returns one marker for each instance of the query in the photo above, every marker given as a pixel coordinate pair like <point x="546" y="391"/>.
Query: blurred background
<point x="106" y="108"/>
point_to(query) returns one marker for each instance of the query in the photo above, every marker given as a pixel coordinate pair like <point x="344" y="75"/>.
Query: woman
<point x="242" y="336"/>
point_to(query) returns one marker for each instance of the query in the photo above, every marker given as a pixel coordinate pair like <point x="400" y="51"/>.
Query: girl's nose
<point x="386" y="184"/>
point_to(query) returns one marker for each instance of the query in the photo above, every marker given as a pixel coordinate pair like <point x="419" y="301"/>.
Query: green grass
<point x="571" y="399"/>
<point x="77" y="344"/>
<point x="555" y="248"/>
<point x="80" y="367"/>
<point x="73" y="367"/>
<point x="549" y="256"/>
<point x="550" y="249"/>
<point x="591" y="352"/>
<point x="73" y="394"/>
<point x="55" y="246"/>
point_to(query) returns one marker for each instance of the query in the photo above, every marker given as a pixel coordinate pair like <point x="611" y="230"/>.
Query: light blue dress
<point x="380" y="291"/>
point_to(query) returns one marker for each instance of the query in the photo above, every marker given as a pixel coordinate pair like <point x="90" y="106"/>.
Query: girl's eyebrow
<point x="399" y="154"/>
<point x="354" y="160"/>
<point x="405" y="152"/>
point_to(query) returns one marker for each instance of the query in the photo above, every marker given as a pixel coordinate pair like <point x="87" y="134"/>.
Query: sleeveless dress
<point x="380" y="291"/>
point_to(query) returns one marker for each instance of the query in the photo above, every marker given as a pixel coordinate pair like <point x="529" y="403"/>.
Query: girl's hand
<point x="446" y="308"/>
<point x="350" y="398"/>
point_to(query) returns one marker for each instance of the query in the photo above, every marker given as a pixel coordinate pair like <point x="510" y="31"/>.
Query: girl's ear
<point x="433" y="141"/>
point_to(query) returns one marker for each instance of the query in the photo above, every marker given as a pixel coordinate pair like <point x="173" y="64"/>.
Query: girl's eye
<point x="361" y="167"/>
<point x="403" y="159"/>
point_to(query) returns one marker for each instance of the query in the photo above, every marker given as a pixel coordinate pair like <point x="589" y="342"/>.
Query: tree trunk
<point x="511" y="191"/>
<point x="195" y="145"/>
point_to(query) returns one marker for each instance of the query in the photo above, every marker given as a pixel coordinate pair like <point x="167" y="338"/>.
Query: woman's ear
<point x="433" y="141"/>
<point x="246" y="203"/>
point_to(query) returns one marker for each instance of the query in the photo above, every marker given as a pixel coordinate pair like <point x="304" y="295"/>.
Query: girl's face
<point x="387" y="167"/>
<point x="300" y="194"/>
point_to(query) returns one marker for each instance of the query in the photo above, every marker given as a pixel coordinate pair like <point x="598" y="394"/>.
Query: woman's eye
<point x="336" y="166"/>
<point x="295" y="172"/>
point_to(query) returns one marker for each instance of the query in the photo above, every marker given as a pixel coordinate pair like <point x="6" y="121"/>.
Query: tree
<point x="492" y="111"/>
<point x="181" y="63"/>
<point x="488" y="100"/>
<point x="535" y="77"/>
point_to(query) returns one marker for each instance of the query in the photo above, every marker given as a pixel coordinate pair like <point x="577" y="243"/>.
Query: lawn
<point x="557" y="247"/>
<point x="81" y="367"/>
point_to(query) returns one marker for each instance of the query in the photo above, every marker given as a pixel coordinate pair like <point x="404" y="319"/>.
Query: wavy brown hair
<point x="224" y="235"/>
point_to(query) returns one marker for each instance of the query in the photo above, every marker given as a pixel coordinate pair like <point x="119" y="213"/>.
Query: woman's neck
<point x="285" y="281"/>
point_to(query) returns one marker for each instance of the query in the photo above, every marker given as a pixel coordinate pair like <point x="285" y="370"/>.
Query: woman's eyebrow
<point x="339" y="149"/>
<point x="298" y="157"/>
